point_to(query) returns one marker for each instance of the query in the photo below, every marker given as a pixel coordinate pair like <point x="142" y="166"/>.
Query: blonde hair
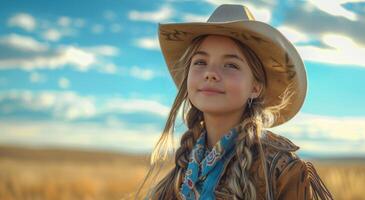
<point x="253" y="121"/>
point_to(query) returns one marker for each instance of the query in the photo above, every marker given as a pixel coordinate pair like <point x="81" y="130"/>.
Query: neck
<point x="219" y="125"/>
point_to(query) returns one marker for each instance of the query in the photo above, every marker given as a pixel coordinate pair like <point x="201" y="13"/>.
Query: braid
<point x="186" y="145"/>
<point x="169" y="186"/>
<point x="239" y="184"/>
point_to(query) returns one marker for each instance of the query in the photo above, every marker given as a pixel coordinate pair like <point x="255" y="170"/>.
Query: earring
<point x="201" y="121"/>
<point x="202" y="124"/>
<point x="250" y="102"/>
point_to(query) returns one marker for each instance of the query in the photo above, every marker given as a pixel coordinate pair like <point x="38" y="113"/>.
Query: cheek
<point x="191" y="83"/>
<point x="239" y="87"/>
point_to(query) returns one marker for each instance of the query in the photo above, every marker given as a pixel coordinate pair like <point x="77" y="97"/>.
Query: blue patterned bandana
<point x="205" y="168"/>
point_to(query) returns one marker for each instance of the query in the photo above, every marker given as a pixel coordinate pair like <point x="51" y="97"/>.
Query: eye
<point x="231" y="65"/>
<point x="199" y="62"/>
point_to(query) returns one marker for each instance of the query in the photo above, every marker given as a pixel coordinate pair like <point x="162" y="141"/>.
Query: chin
<point x="211" y="110"/>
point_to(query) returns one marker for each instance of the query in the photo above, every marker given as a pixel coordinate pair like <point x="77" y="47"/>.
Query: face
<point x="220" y="80"/>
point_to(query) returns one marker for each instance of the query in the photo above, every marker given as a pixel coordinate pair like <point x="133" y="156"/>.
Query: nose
<point x="211" y="75"/>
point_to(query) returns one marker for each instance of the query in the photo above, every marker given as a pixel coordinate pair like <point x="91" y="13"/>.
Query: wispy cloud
<point x="60" y="105"/>
<point x="109" y="15"/>
<point x="137" y="105"/>
<point x="68" y="105"/>
<point x="140" y="73"/>
<point x="104" y="50"/>
<point x="336" y="8"/>
<point x="79" y="23"/>
<point x="97" y="28"/>
<point x="336" y="49"/>
<point x="23" y="43"/>
<point x="52" y="35"/>
<point x="194" y="18"/>
<point x="23" y="20"/>
<point x="67" y="21"/>
<point x="115" y="28"/>
<point x="341" y="50"/>
<point x="316" y="23"/>
<point x="318" y="133"/>
<point x="64" y="21"/>
<point x="29" y="54"/>
<point x="113" y="136"/>
<point x="36" y="77"/>
<point x="64" y="83"/>
<point x="163" y="14"/>
<point x="293" y="35"/>
<point x="148" y="43"/>
<point x="68" y="55"/>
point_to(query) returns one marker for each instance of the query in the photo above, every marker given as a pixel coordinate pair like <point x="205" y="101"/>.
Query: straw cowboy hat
<point x="282" y="63"/>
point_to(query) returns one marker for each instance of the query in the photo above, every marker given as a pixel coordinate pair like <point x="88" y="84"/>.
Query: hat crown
<point x="230" y="12"/>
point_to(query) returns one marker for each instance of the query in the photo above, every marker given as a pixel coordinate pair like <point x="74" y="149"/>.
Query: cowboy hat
<point x="281" y="61"/>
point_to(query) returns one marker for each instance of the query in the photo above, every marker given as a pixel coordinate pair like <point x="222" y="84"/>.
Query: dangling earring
<point x="201" y="122"/>
<point x="250" y="102"/>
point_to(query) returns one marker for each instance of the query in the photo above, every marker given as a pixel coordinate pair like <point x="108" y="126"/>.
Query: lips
<point x="210" y="89"/>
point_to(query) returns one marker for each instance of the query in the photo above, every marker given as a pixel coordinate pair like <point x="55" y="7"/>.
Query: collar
<point x="200" y="167"/>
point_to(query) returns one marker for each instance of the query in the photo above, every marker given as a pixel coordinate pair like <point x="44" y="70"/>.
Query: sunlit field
<point x="29" y="174"/>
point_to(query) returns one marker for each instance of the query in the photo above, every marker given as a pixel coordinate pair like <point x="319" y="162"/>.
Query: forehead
<point x="216" y="44"/>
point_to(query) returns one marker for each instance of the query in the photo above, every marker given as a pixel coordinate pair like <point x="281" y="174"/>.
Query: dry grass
<point x="64" y="174"/>
<point x="60" y="175"/>
<point x="345" y="178"/>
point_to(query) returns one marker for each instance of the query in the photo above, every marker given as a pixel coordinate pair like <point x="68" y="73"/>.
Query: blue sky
<point x="91" y="74"/>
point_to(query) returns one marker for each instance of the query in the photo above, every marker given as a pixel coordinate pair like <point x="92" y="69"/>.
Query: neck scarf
<point x="205" y="168"/>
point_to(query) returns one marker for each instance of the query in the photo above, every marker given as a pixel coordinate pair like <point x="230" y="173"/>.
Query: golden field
<point x="56" y="174"/>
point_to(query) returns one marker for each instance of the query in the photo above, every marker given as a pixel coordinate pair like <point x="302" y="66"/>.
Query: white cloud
<point x="109" y="68"/>
<point x="64" y="83"/>
<point x="140" y="73"/>
<point x="322" y="147"/>
<point x="30" y="54"/>
<point x="163" y="14"/>
<point x="313" y="133"/>
<point x="195" y="18"/>
<point x="104" y="50"/>
<point x="62" y="105"/>
<point x="343" y="51"/>
<point x="23" y="20"/>
<point x="23" y="43"/>
<point x="292" y="34"/>
<point x="64" y="21"/>
<point x="36" y="77"/>
<point x="97" y="28"/>
<point x="68" y="105"/>
<point x="109" y="15"/>
<point x="115" y="28"/>
<point x="78" y="58"/>
<point x="319" y="133"/>
<point x="52" y="35"/>
<point x="148" y="43"/>
<point x="335" y="7"/>
<point x="137" y="105"/>
<point x="78" y="22"/>
<point x="116" y="136"/>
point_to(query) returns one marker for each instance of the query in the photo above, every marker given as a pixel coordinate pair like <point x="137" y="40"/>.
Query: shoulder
<point x="279" y="152"/>
<point x="277" y="142"/>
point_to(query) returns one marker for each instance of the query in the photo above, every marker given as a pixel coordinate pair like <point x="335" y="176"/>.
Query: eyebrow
<point x="224" y="56"/>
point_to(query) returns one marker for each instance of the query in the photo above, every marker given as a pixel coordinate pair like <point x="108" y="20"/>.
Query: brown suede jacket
<point x="289" y="177"/>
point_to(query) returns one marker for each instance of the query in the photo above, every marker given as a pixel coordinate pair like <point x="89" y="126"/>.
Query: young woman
<point x="236" y="78"/>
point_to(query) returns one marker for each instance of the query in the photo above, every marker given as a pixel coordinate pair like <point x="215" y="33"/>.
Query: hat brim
<point x="283" y="64"/>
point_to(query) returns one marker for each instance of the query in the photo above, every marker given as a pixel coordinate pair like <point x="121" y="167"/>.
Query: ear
<point x="256" y="89"/>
